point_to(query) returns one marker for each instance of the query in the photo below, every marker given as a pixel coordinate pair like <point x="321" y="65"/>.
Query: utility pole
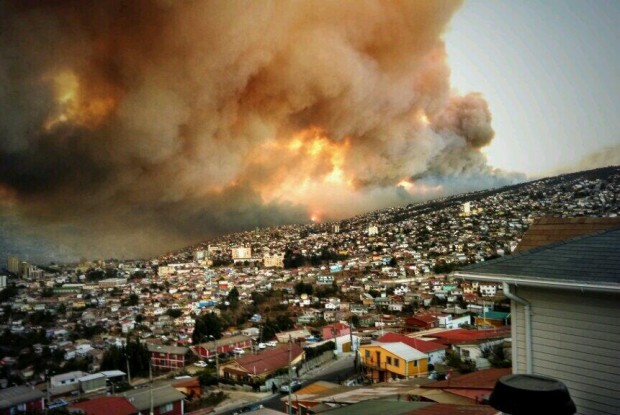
<point x="217" y="359"/>
<point x="290" y="374"/>
<point x="128" y="372"/>
<point x="352" y="345"/>
<point x="217" y="363"/>
<point x="151" y="412"/>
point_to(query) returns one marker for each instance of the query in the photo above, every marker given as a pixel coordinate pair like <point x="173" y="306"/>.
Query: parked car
<point x="294" y="386"/>
<point x="262" y="345"/>
<point x="238" y="350"/>
<point x="200" y="363"/>
<point x="272" y="343"/>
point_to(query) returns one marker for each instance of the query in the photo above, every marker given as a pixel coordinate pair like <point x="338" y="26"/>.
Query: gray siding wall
<point x="575" y="339"/>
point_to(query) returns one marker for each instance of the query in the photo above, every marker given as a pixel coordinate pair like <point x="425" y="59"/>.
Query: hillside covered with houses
<point x="248" y="306"/>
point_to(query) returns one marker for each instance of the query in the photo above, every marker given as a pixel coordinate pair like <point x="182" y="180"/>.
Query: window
<point x="465" y="353"/>
<point x="396" y="362"/>
<point x="415" y="363"/>
<point x="166" y="408"/>
<point x="367" y="354"/>
<point x="388" y="359"/>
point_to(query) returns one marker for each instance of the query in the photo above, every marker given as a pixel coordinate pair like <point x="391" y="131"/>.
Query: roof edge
<point x="523" y="280"/>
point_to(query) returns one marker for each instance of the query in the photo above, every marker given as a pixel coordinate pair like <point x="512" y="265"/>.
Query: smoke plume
<point x="132" y="127"/>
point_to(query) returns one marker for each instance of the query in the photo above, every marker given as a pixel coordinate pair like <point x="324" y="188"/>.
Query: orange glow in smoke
<point x="75" y="108"/>
<point x="413" y="187"/>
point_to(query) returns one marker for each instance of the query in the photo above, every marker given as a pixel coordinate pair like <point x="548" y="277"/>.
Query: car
<point x="272" y="343"/>
<point x="294" y="386"/>
<point x="262" y="345"/>
<point x="200" y="363"/>
<point x="59" y="403"/>
<point x="238" y="350"/>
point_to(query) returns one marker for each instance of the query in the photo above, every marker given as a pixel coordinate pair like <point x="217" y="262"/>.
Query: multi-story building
<point x="241" y="253"/>
<point x="383" y="362"/>
<point x="13" y="264"/>
<point x="165" y="358"/>
<point x="273" y="261"/>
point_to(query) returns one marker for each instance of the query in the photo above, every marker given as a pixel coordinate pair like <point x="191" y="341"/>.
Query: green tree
<point x="133" y="299"/>
<point x="233" y="298"/>
<point x="207" y="325"/>
<point x="174" y="312"/>
<point x="115" y="358"/>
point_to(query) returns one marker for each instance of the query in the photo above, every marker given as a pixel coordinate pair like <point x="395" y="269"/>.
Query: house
<point x="164" y="358"/>
<point x="382" y="362"/>
<point x="21" y="399"/>
<point x="165" y="400"/>
<point x="249" y="368"/>
<point x="475" y="386"/>
<point x="468" y="344"/>
<point x="565" y="310"/>
<point x="492" y="318"/>
<point x="189" y="387"/>
<point x="293" y="335"/>
<point x="93" y="382"/>
<point x="421" y="322"/>
<point x="103" y="406"/>
<point x="65" y="383"/>
<point x="335" y="330"/>
<point x="224" y="345"/>
<point x="392" y="398"/>
<point x="436" y="352"/>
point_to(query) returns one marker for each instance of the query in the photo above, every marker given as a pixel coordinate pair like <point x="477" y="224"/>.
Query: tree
<point x="115" y="358"/>
<point x="207" y="325"/>
<point x="174" y="312"/>
<point x="133" y="299"/>
<point x="233" y="298"/>
<point x="8" y="292"/>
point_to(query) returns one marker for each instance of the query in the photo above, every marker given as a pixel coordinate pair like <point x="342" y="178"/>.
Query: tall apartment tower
<point x="466" y="208"/>
<point x="13" y="264"/>
<point x="373" y="230"/>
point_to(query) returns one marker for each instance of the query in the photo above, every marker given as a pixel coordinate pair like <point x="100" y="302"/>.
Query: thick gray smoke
<point x="132" y="127"/>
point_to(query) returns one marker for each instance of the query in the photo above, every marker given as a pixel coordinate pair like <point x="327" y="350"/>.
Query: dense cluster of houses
<point x="391" y="297"/>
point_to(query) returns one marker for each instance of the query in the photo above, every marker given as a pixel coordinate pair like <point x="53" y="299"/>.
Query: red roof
<point x="269" y="360"/>
<point x="106" y="405"/>
<point x="482" y="379"/>
<point x="451" y="409"/>
<point x="457" y="336"/>
<point x="421" y="345"/>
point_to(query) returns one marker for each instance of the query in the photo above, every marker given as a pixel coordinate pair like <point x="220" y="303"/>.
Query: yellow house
<point x="383" y="362"/>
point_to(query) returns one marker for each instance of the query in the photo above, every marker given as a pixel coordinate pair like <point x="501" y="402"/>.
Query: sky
<point x="549" y="70"/>
<point x="133" y="128"/>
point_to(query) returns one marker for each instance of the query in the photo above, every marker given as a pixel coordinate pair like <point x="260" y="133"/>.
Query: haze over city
<point x="133" y="128"/>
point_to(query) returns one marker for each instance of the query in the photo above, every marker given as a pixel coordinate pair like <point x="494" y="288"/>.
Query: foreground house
<point x="103" y="406"/>
<point x="164" y="400"/>
<point x="166" y="358"/>
<point x="436" y="352"/>
<point x="20" y="399"/>
<point x="256" y="367"/>
<point x="382" y="362"/>
<point x="565" y="310"/>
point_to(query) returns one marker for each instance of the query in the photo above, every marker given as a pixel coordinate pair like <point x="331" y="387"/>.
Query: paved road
<point x="333" y="372"/>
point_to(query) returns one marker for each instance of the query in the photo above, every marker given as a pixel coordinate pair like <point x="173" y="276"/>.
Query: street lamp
<point x="217" y="359"/>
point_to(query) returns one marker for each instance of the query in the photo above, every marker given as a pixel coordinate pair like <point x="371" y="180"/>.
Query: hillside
<point x="498" y="217"/>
